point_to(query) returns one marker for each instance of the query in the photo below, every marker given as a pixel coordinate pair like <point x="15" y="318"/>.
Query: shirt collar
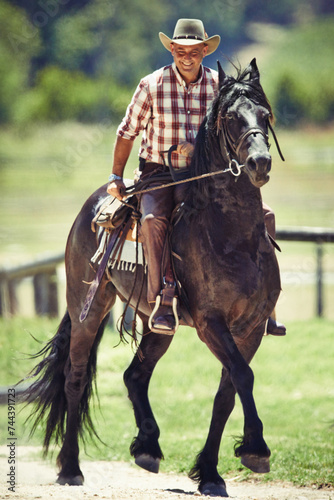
<point x="180" y="79"/>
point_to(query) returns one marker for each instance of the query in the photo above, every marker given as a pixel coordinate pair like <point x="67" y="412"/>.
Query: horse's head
<point x="243" y="115"/>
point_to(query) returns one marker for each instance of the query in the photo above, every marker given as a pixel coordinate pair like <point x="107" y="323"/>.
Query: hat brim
<point x="211" y="42"/>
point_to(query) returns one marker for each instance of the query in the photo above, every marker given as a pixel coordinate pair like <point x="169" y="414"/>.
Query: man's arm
<point x="122" y="150"/>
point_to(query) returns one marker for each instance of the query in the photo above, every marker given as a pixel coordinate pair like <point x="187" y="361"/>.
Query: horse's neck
<point x="231" y="202"/>
<point x="237" y="206"/>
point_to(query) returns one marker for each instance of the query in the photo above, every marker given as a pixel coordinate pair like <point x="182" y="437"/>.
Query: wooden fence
<point x="319" y="236"/>
<point x="45" y="283"/>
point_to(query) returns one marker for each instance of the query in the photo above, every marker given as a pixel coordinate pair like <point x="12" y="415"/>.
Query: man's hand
<point x="185" y="149"/>
<point x="117" y="189"/>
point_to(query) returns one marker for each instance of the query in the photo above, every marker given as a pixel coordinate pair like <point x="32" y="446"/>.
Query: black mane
<point x="232" y="89"/>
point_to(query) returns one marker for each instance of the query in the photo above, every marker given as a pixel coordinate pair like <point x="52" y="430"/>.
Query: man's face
<point x="188" y="59"/>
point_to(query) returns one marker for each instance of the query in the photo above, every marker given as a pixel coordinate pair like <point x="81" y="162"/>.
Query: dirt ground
<point x="125" y="481"/>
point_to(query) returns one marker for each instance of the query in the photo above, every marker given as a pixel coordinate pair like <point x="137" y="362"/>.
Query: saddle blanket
<point x="124" y="256"/>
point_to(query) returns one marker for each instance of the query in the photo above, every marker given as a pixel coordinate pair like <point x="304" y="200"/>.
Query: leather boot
<point x="275" y="328"/>
<point x="156" y="208"/>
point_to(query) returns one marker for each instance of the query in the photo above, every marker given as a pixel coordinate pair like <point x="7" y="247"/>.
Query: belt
<point x="144" y="165"/>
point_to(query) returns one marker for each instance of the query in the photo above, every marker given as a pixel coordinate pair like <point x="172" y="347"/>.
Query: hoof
<point x="257" y="464"/>
<point x="147" y="462"/>
<point x="70" y="480"/>
<point x="214" y="490"/>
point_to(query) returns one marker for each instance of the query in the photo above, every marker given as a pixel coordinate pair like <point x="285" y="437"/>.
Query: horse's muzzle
<point x="258" y="166"/>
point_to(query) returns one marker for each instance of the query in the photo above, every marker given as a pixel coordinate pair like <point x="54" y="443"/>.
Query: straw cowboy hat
<point x="190" y="32"/>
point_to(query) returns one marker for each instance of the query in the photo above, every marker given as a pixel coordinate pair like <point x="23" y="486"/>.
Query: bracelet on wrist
<point x="114" y="177"/>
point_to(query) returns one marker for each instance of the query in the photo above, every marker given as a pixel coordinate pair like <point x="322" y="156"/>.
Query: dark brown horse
<point x="230" y="279"/>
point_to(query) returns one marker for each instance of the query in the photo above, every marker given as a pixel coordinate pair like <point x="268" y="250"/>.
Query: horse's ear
<point x="254" y="73"/>
<point x="222" y="75"/>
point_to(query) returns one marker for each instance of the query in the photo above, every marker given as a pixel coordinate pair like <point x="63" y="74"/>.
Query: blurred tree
<point x="119" y="37"/>
<point x="112" y="39"/>
<point x="108" y="45"/>
<point x="19" y="42"/>
<point x="43" y="15"/>
<point x="281" y="12"/>
<point x="300" y="73"/>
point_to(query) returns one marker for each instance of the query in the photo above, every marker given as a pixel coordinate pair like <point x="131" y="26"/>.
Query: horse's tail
<point x="47" y="392"/>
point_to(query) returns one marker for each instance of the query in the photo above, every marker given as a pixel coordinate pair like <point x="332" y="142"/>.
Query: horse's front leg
<point x="205" y="469"/>
<point x="252" y="449"/>
<point x="145" y="447"/>
<point x="239" y="378"/>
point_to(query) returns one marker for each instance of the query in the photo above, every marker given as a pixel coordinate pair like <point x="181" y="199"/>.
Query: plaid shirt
<point x="168" y="112"/>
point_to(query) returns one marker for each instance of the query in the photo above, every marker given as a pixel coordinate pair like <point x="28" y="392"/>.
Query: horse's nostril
<point x="269" y="165"/>
<point x="266" y="163"/>
<point x="251" y="163"/>
<point x="260" y="163"/>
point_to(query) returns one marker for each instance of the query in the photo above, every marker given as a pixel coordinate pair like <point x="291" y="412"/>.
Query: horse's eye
<point x="229" y="116"/>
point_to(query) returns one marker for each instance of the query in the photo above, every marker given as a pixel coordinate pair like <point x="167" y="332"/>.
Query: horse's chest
<point x="242" y="271"/>
<point x="217" y="268"/>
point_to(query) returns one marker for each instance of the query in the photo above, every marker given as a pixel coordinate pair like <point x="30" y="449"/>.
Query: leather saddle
<point x="113" y="214"/>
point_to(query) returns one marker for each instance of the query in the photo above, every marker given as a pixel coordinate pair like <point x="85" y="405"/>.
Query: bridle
<point x="231" y="148"/>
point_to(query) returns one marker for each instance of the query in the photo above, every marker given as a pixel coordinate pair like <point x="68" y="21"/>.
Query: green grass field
<point x="294" y="381"/>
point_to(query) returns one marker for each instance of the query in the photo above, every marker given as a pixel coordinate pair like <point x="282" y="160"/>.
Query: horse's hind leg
<point x="79" y="373"/>
<point x="145" y="447"/>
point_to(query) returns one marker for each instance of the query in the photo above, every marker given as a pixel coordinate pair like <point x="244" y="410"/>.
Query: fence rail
<point x="315" y="234"/>
<point x="45" y="283"/>
<point x="319" y="236"/>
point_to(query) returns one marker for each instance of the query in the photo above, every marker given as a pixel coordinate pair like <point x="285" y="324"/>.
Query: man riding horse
<point x="168" y="107"/>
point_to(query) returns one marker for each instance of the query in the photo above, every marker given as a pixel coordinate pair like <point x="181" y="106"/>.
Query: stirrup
<point x="174" y="309"/>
